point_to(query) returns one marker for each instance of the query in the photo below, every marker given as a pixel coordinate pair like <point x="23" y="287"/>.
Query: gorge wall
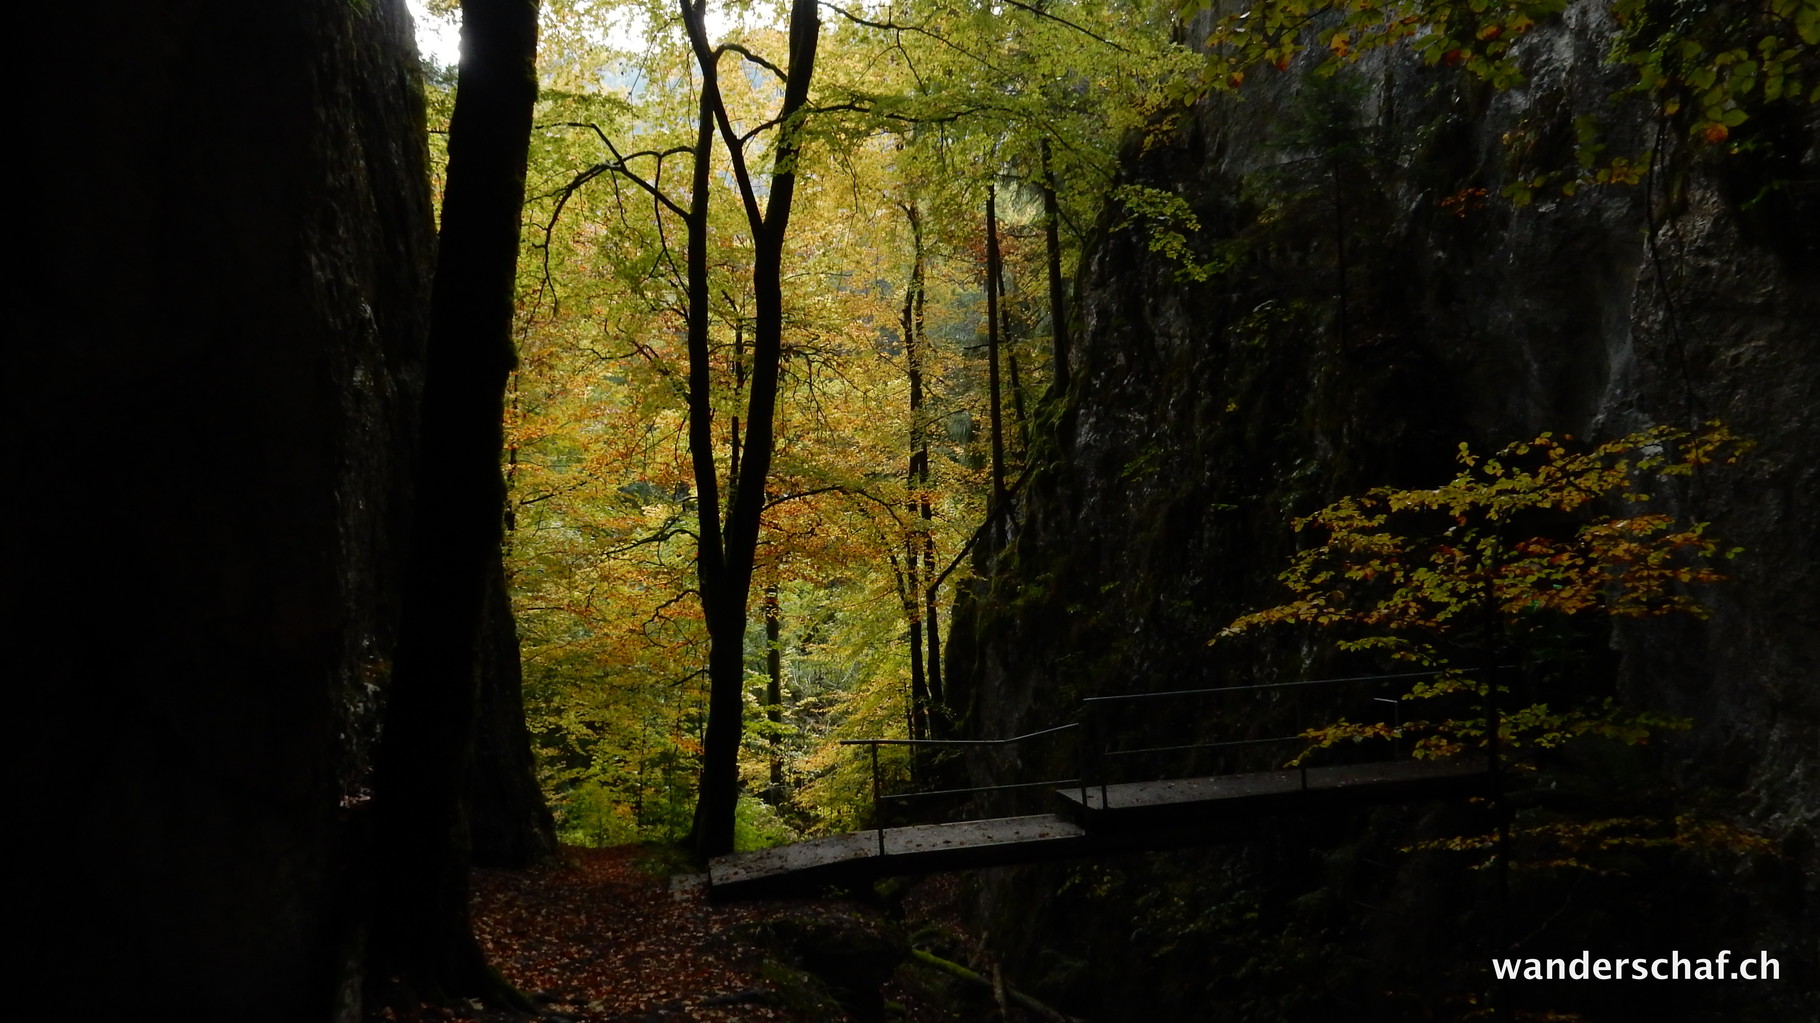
<point x="218" y="332"/>
<point x="1379" y="304"/>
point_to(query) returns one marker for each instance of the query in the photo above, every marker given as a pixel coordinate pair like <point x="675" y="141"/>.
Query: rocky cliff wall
<point x="1381" y="303"/>
<point x="217" y="327"/>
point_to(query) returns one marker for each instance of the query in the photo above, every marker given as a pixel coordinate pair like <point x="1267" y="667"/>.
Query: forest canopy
<point x="794" y="292"/>
<point x="944" y="164"/>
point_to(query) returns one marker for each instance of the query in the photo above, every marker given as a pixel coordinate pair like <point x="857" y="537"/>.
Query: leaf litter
<point x="607" y="936"/>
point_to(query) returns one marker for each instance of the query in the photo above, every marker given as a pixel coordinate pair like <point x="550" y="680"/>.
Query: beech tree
<point x="606" y="575"/>
<point x="726" y="549"/>
<point x="422" y="933"/>
<point x="665" y="224"/>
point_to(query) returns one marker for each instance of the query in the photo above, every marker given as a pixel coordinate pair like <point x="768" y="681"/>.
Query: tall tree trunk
<point x="739" y="384"/>
<point x="774" y="685"/>
<point x="997" y="418"/>
<point x="508" y="820"/>
<point x="913" y="617"/>
<point x="916" y="702"/>
<point x="1017" y="402"/>
<point x="422" y="933"/>
<point x="1008" y="345"/>
<point x="727" y="553"/>
<point x="916" y="483"/>
<point x="938" y="706"/>
<point x="710" y="557"/>
<point x="1058" y="308"/>
<point x="920" y="542"/>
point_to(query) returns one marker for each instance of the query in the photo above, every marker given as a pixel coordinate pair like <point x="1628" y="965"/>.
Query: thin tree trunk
<point x="913" y="616"/>
<point x="509" y="821"/>
<point x="916" y="481"/>
<point x="1008" y="343"/>
<point x="916" y="698"/>
<point x="739" y="384"/>
<point x="1017" y="402"/>
<point x="922" y="505"/>
<point x="1058" y="309"/>
<point x="938" y="706"/>
<point x="422" y="933"/>
<point x="774" y="684"/>
<point x="992" y="345"/>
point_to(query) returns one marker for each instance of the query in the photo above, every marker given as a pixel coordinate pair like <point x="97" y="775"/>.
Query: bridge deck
<point x="1270" y="789"/>
<point x="922" y="848"/>
<point x="1137" y="815"/>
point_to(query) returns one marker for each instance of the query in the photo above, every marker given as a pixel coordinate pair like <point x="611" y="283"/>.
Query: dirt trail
<point x="607" y="937"/>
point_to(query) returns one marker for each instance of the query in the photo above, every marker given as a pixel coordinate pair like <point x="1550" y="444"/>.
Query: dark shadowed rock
<point x="851" y="953"/>
<point x="1388" y="307"/>
<point x="216" y="335"/>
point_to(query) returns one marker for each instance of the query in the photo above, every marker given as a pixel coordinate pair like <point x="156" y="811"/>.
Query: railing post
<point x="1396" y="741"/>
<point x="1301" y="728"/>
<point x="1080" y="754"/>
<point x="1099" y="758"/>
<point x="878" y="810"/>
<point x="1396" y="725"/>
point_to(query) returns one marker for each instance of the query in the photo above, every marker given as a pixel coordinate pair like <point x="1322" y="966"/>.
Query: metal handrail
<point x="1131" y="697"/>
<point x="1094" y="703"/>
<point x="878" y="798"/>
<point x="1200" y="745"/>
<point x="984" y="788"/>
<point x="960" y="742"/>
<point x="1090" y="707"/>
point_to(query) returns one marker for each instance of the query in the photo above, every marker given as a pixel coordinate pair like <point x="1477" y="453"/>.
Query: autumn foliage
<point x="1541" y="530"/>
<point x="1497" y="579"/>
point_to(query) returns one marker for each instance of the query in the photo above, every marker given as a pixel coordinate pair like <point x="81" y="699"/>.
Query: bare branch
<point x="753" y="57"/>
<point x="1064" y="21"/>
<point x="695" y="24"/>
<point x="802" y="495"/>
<point x="892" y="26"/>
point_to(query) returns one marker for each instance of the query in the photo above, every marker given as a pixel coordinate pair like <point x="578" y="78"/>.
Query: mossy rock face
<point x="849" y="956"/>
<point x="1388" y="306"/>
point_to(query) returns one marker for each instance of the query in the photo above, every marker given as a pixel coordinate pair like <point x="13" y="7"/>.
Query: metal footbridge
<point x="1253" y="757"/>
